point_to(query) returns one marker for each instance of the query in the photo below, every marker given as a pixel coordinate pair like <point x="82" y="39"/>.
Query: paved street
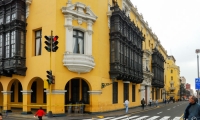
<point x="172" y="111"/>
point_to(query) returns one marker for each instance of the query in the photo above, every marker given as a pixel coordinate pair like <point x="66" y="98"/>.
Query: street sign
<point x="197" y="83"/>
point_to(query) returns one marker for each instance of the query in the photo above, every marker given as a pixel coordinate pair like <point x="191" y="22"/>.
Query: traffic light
<point x="55" y="43"/>
<point x="49" y="77"/>
<point x="48" y="43"/>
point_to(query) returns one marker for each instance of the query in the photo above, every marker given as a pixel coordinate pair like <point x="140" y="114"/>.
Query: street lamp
<point x="198" y="51"/>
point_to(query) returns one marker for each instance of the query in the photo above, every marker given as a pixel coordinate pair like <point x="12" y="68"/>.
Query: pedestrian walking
<point x="192" y="110"/>
<point x="150" y="101"/>
<point x="126" y="105"/>
<point x="40" y="113"/>
<point x="1" y="117"/>
<point x="156" y="102"/>
<point x="165" y="101"/>
<point x="143" y="102"/>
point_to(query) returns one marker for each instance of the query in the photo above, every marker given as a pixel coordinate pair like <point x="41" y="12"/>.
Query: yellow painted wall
<point x="175" y="75"/>
<point x="47" y="16"/>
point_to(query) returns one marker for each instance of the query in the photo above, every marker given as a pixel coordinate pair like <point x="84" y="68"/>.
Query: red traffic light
<point x="55" y="38"/>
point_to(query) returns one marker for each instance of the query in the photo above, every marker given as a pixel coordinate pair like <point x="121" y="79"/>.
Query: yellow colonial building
<point x="172" y="83"/>
<point x="107" y="53"/>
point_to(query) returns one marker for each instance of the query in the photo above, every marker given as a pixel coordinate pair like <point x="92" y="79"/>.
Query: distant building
<point x="183" y="80"/>
<point x="172" y="83"/>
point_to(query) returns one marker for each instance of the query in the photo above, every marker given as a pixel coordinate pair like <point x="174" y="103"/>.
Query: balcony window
<point x="7" y="45"/>
<point x="78" y="42"/>
<point x="1" y="20"/>
<point x="7" y="18"/>
<point x="13" y="40"/>
<point x="22" y="18"/>
<point x="22" y="44"/>
<point x="13" y="16"/>
<point x="112" y="55"/>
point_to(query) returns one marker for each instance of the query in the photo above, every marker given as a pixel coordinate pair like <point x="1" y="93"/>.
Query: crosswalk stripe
<point x="138" y="117"/>
<point x="165" y="118"/>
<point x="131" y="117"/>
<point x="119" y="118"/>
<point x="153" y="118"/>
<point x="177" y="118"/>
<point x="141" y="118"/>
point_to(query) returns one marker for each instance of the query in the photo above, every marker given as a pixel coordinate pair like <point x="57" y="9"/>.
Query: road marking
<point x="168" y="109"/>
<point x="159" y="112"/>
<point x="174" y="106"/>
<point x="165" y="118"/>
<point x="153" y="118"/>
<point x="129" y="118"/>
<point x="141" y="118"/>
<point x="119" y="118"/>
<point x="177" y="118"/>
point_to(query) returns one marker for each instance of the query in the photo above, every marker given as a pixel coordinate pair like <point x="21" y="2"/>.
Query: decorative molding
<point x="28" y="3"/>
<point x="90" y="32"/>
<point x="80" y="20"/>
<point x="81" y="11"/>
<point x="56" y="91"/>
<point x="109" y="14"/>
<point x="79" y="63"/>
<point x="6" y="92"/>
<point x="70" y="28"/>
<point x="126" y="6"/>
<point x="95" y="92"/>
<point x="26" y="91"/>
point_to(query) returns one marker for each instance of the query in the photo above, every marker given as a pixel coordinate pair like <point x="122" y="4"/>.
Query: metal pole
<point x="50" y="114"/>
<point x="198" y="75"/>
<point x="180" y="90"/>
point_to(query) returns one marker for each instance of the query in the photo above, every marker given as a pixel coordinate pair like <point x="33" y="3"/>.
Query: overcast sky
<point x="177" y="25"/>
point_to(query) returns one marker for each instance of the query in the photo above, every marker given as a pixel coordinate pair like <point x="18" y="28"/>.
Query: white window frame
<point x="85" y="14"/>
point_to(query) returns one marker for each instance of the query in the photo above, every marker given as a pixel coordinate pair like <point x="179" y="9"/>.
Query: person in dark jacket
<point x="40" y="113"/>
<point x="143" y="102"/>
<point x="192" y="111"/>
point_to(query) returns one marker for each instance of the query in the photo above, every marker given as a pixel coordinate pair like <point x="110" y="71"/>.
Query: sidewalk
<point x="78" y="116"/>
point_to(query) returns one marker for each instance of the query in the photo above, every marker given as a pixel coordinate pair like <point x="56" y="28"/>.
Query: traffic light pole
<point x="50" y="112"/>
<point x="51" y="46"/>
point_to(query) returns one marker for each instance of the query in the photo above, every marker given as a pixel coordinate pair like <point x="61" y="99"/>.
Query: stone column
<point x="6" y="100"/>
<point x="57" y="102"/>
<point x="94" y="100"/>
<point x="26" y="102"/>
<point x="69" y="33"/>
<point x="88" y="37"/>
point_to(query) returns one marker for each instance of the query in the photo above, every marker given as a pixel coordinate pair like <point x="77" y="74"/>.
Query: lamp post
<point x="198" y="51"/>
<point x="180" y="89"/>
